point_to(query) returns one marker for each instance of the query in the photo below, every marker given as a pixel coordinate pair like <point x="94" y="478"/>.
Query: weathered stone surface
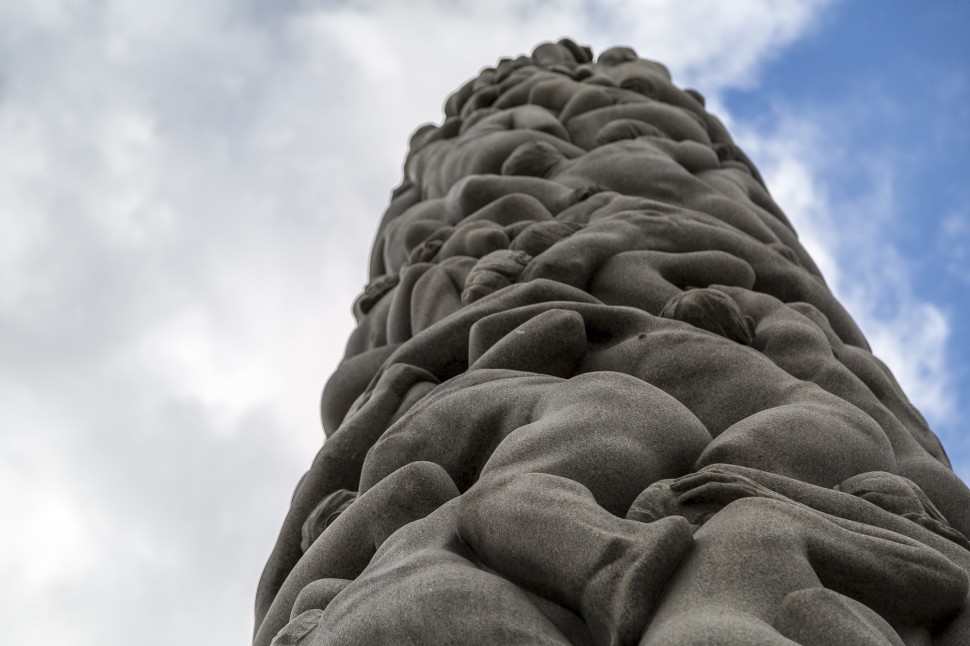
<point x="600" y="394"/>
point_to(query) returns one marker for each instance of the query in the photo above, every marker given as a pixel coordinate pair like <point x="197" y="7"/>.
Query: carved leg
<point x="549" y="535"/>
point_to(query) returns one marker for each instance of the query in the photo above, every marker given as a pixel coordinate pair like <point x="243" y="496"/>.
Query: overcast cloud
<point x="188" y="192"/>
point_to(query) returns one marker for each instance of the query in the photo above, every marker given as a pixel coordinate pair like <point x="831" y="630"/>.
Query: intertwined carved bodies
<point x="599" y="393"/>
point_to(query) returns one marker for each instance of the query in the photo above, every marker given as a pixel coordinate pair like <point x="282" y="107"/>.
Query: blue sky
<point x="892" y="83"/>
<point x="188" y="192"/>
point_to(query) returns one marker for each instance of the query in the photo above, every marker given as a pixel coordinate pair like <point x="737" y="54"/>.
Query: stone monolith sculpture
<point x="599" y="394"/>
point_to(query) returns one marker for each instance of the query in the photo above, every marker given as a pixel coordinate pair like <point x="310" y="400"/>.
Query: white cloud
<point x="954" y="244"/>
<point x="913" y="343"/>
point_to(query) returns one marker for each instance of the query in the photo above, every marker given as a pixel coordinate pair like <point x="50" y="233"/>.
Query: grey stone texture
<point x="600" y="394"/>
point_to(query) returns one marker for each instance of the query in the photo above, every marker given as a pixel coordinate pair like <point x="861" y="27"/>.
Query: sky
<point x="188" y="192"/>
